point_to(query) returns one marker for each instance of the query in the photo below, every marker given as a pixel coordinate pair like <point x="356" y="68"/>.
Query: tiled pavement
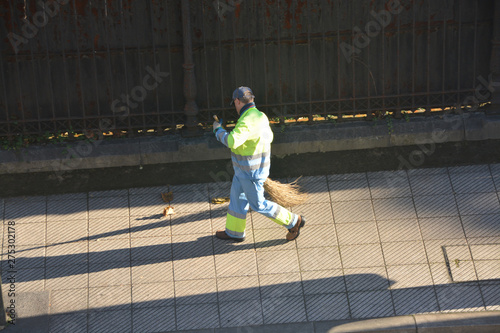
<point x="375" y="245"/>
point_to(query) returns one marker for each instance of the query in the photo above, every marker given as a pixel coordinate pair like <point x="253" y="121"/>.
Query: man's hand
<point x="216" y="124"/>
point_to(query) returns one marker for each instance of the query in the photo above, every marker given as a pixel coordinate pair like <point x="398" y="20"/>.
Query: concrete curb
<point x="471" y="322"/>
<point x="318" y="138"/>
<point x="421" y="323"/>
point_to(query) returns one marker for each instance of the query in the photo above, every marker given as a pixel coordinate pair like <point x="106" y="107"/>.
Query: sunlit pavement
<point x="379" y="244"/>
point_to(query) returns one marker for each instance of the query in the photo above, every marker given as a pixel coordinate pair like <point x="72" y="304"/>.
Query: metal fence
<point x="141" y="66"/>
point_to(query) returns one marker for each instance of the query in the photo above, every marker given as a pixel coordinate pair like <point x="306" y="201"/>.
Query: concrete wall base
<point x="299" y="150"/>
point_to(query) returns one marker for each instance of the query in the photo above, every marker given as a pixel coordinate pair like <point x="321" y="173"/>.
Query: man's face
<point x="238" y="105"/>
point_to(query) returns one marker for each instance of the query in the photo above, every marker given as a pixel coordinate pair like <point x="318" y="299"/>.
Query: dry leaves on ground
<point x="167" y="197"/>
<point x="168" y="211"/>
<point x="218" y="201"/>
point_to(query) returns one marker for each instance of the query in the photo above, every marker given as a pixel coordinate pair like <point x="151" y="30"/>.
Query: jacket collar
<point x="246" y="107"/>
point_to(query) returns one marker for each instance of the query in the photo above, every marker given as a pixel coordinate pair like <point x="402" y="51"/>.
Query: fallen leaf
<point x="168" y="211"/>
<point x="218" y="201"/>
<point x="167" y="197"/>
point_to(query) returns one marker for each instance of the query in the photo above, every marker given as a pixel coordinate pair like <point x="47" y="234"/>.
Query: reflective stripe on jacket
<point x="250" y="143"/>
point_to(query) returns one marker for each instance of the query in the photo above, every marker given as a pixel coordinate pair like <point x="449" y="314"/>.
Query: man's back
<point x="252" y="134"/>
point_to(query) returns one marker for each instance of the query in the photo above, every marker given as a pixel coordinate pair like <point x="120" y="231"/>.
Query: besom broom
<point x="284" y="194"/>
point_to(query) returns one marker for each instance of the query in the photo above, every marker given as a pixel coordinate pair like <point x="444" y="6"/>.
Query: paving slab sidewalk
<point x="398" y="245"/>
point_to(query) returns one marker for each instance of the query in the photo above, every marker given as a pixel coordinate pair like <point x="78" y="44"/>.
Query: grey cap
<point x="241" y="92"/>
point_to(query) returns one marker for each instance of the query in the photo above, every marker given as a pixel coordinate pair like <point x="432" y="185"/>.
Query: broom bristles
<point x="285" y="195"/>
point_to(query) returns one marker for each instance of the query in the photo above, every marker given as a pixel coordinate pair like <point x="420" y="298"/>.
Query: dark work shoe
<point x="295" y="231"/>
<point x="221" y="234"/>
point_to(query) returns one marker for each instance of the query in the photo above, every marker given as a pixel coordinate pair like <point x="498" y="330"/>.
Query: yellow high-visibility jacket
<point x="250" y="143"/>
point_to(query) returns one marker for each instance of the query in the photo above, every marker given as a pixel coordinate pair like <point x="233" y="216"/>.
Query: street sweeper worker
<point x="250" y="144"/>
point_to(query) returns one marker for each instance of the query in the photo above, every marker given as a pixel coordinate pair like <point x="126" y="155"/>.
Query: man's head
<point x="242" y="96"/>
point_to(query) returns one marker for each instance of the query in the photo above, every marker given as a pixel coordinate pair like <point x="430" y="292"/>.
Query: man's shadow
<point x="307" y="296"/>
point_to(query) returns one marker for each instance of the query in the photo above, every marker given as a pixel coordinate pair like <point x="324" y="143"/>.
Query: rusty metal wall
<point x="431" y="54"/>
<point x="88" y="55"/>
<point x="117" y="64"/>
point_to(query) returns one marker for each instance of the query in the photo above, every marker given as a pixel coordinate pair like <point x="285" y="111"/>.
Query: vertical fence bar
<point x="413" y="60"/>
<point x="367" y="66"/>
<point x="6" y="101"/>
<point x="3" y="66"/>
<point x="205" y="59"/>
<point x="108" y="56"/>
<point x="352" y="64"/>
<point x="51" y="90"/>
<point x="443" y="65"/>
<point x="34" y="71"/>
<point x="398" y="112"/>
<point x="159" y="128"/>
<point x="79" y="59"/>
<point x="190" y="109"/>
<point x="4" y="90"/>
<point x="94" y="64"/>
<point x="264" y="53"/>
<point x="369" y="81"/>
<point x="398" y="60"/>
<point x="339" y="92"/>
<point x="458" y="102"/>
<point x="474" y="67"/>
<point x="125" y="67"/>
<point x="311" y="116"/>
<point x="219" y="50"/>
<point x="170" y="61"/>
<point x="427" y="107"/>
<point x="495" y="59"/>
<point x="280" y="92"/>
<point x="250" y="50"/>
<point x="18" y="72"/>
<point x="294" y="46"/>
<point x="140" y="63"/>
<point x="94" y="61"/>
<point x="323" y="55"/>
<point x="235" y="67"/>
<point x="65" y="70"/>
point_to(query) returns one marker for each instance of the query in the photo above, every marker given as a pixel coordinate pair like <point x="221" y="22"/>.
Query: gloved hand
<point x="217" y="123"/>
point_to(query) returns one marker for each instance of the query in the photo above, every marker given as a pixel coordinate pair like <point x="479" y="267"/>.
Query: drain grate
<point x="484" y="264"/>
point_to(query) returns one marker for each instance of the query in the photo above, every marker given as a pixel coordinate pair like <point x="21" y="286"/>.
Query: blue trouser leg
<point x="237" y="211"/>
<point x="254" y="190"/>
<point x="250" y="192"/>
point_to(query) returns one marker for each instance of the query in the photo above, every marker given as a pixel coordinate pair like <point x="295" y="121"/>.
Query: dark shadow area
<point x="99" y="261"/>
<point x="145" y="218"/>
<point x="164" y="221"/>
<point x="309" y="164"/>
<point x="263" y="301"/>
<point x="142" y="255"/>
<point x="218" y="211"/>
